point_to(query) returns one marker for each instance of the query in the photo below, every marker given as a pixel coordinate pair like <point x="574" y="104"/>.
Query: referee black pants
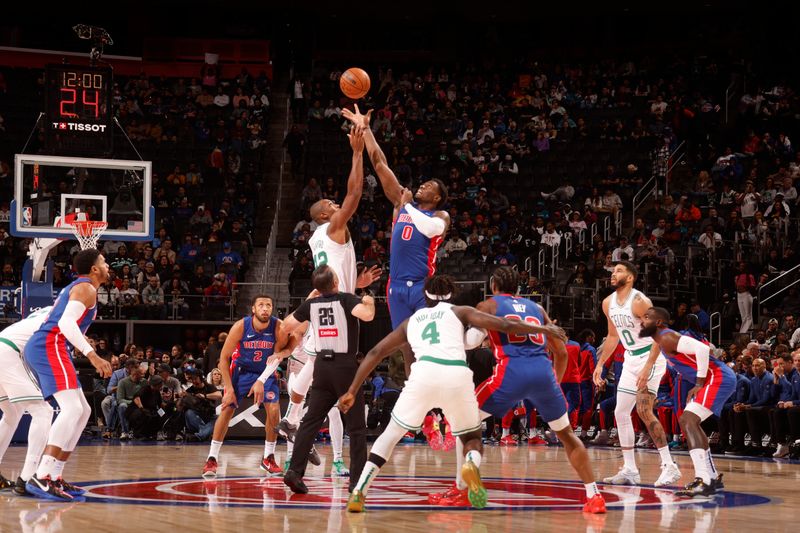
<point x="332" y="378"/>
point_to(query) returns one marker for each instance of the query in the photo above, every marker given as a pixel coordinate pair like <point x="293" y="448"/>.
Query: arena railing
<point x="650" y="187"/>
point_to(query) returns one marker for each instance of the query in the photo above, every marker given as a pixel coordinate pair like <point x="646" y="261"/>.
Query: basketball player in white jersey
<point x="332" y="245"/>
<point x="19" y="393"/>
<point x="439" y="378"/>
<point x="625" y="309"/>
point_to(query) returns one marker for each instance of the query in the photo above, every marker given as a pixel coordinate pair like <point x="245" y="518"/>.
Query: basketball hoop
<point x="87" y="232"/>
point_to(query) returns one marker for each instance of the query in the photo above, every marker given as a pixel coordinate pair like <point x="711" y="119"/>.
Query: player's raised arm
<point x="378" y="353"/>
<point x="355" y="186"/>
<point x="391" y="186"/>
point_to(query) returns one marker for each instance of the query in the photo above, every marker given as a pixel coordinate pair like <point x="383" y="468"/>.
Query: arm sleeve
<point x="68" y="324"/>
<point x="303" y="313"/>
<point x="473" y="338"/>
<point x="701" y="351"/>
<point x="429" y="226"/>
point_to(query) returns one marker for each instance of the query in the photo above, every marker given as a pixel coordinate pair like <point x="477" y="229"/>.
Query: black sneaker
<point x="294" y="481"/>
<point x="69" y="488"/>
<point x="697" y="488"/>
<point x="19" y="488"/>
<point x="717" y="483"/>
<point x="46" y="489"/>
<point x="313" y="457"/>
<point x="287" y="429"/>
<point x="5" y="483"/>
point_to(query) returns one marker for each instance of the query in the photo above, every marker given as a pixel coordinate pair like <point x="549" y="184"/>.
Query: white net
<point x="87" y="232"/>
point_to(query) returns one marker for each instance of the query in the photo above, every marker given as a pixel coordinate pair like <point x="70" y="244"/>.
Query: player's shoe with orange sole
<point x="210" y="468"/>
<point x="508" y="440"/>
<point x="476" y="491"/>
<point x="537" y="441"/>
<point x="269" y="466"/>
<point x="595" y="505"/>
<point x="435" y="497"/>
<point x="355" y="504"/>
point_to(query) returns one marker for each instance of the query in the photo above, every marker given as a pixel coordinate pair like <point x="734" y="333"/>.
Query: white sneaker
<point x="624" y="477"/>
<point x="646" y="442"/>
<point x="642" y="439"/>
<point x="782" y="451"/>
<point x="670" y="473"/>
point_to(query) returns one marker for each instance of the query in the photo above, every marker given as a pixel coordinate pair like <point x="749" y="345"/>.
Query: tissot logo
<point x="78" y="126"/>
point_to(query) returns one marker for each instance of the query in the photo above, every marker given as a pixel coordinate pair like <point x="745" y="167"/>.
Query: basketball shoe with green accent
<point x="338" y="469"/>
<point x="472" y="477"/>
<point x="355" y="504"/>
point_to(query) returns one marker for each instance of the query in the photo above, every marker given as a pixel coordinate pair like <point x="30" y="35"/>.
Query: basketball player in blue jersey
<point x="49" y="355"/>
<point x="243" y="361"/>
<point x="418" y="229"/>
<point x="524" y="372"/>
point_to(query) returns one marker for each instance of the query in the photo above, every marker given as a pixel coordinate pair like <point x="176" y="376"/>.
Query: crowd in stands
<point x="205" y="138"/>
<point x="722" y="224"/>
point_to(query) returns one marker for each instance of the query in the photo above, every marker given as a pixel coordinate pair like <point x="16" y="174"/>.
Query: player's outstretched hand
<point x="357" y="117"/>
<point x="368" y="277"/>
<point x="346" y="401"/>
<point x="597" y="376"/>
<point x="228" y="399"/>
<point x="356" y="137"/>
<point x="103" y="367"/>
<point x="257" y="392"/>
<point x="556" y="332"/>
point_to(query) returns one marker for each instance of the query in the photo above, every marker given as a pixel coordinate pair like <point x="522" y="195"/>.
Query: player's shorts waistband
<point x="407" y="283"/>
<point x="10" y="344"/>
<point x="447" y="362"/>
<point x="640" y="351"/>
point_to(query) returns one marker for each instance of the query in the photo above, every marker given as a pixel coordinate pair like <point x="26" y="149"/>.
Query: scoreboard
<point x="78" y="110"/>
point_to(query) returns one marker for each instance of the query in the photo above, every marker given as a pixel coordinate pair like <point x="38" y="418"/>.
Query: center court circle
<point x="391" y="493"/>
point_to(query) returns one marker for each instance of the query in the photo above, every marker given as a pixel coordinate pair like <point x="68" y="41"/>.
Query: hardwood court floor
<point x="537" y="482"/>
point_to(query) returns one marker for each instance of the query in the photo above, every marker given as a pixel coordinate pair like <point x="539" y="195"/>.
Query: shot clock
<point x="78" y="110"/>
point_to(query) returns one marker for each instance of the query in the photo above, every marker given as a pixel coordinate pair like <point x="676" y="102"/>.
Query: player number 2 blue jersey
<point x="255" y="347"/>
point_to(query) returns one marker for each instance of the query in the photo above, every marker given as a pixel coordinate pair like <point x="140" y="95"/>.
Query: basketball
<point x="354" y="83"/>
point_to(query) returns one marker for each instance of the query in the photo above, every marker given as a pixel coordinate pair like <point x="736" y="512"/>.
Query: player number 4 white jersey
<point x="628" y="325"/>
<point x="436" y="332"/>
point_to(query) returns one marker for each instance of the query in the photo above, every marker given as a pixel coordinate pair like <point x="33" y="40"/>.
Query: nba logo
<point x="27" y="215"/>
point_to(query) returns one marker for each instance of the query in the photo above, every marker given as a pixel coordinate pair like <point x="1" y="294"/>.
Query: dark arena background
<point x="196" y="136"/>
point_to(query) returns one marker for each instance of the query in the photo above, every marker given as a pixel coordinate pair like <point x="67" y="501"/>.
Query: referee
<point x="333" y="317"/>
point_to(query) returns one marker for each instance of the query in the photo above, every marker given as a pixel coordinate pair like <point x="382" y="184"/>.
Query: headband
<point x="438" y="297"/>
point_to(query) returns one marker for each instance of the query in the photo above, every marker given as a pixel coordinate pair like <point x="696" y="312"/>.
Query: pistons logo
<point x="401" y="492"/>
<point x="270" y="396"/>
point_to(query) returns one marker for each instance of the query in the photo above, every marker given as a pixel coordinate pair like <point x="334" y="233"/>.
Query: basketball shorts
<point x="529" y="379"/>
<point x="17" y="383"/>
<point x="297" y="361"/>
<point x="404" y="299"/>
<point x="243" y="381"/>
<point x="431" y="385"/>
<point x="631" y="369"/>
<point x="720" y="385"/>
<point x="48" y="357"/>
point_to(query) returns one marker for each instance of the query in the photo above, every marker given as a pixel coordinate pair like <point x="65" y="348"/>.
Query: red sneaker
<point x="537" y="441"/>
<point x="430" y="428"/>
<point x="508" y="440"/>
<point x="435" y="497"/>
<point x="459" y="499"/>
<point x="595" y="505"/>
<point x="269" y="465"/>
<point x="449" y="442"/>
<point x="210" y="468"/>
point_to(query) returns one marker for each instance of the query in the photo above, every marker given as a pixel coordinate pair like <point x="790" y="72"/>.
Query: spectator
<point x="623" y="249"/>
<point x="126" y="392"/>
<point x="153" y="300"/>
<point x="710" y="239"/>
<point x="198" y="406"/>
